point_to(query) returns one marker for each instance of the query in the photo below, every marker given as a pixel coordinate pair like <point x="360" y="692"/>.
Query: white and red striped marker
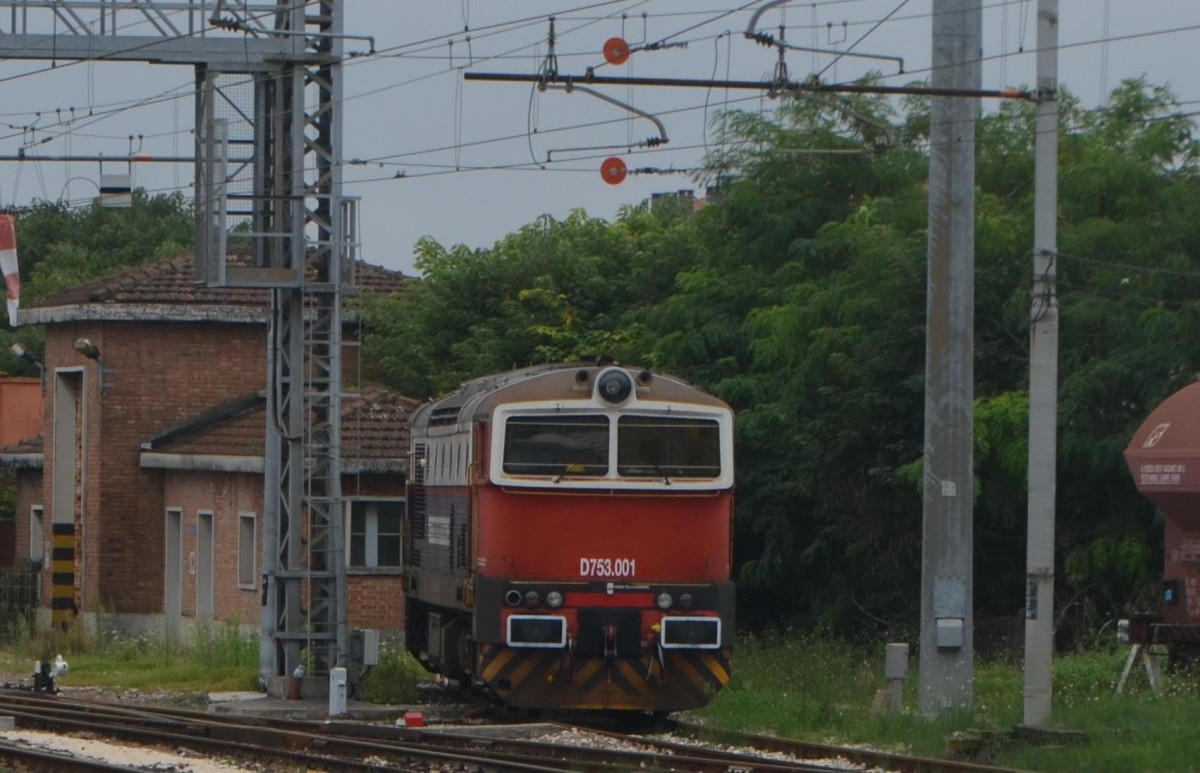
<point x="8" y="264"/>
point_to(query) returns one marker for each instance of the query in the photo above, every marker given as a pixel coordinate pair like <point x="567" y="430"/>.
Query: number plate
<point x="607" y="567"/>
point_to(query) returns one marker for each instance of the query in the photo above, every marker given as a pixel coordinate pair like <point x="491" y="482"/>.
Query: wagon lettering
<point x="607" y="567"/>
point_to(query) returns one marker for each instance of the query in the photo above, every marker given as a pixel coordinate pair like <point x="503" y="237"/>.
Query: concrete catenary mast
<point x="1043" y="379"/>
<point x="946" y="651"/>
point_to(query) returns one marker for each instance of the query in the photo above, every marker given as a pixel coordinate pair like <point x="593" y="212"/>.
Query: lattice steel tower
<point x="268" y="78"/>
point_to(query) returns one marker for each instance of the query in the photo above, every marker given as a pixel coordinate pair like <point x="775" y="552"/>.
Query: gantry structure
<point x="268" y="103"/>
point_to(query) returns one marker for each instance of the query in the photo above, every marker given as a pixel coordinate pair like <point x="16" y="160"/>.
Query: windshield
<point x="667" y="447"/>
<point x="556" y="445"/>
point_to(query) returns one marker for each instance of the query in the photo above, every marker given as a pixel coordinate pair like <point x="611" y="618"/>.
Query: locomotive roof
<point x="476" y="398"/>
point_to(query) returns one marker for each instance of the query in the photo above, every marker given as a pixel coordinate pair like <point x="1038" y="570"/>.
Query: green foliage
<point x="61" y="247"/>
<point x="555" y="290"/>
<point x="19" y="587"/>
<point x="219" y="657"/>
<point x="394" y="680"/>
<point x="800" y="298"/>
<point x="822" y="689"/>
<point x="8" y="496"/>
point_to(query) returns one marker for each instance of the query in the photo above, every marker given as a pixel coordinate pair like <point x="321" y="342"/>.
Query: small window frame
<point x="37" y="534"/>
<point x="371" y="535"/>
<point x="247" y="574"/>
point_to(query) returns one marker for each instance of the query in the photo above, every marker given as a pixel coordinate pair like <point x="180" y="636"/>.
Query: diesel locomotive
<point x="568" y="539"/>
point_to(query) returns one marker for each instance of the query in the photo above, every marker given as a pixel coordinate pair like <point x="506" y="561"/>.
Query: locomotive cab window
<point x="556" y="445"/>
<point x="668" y="447"/>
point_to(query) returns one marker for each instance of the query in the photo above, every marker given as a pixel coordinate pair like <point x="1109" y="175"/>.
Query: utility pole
<point x="947" y="620"/>
<point x="1043" y="379"/>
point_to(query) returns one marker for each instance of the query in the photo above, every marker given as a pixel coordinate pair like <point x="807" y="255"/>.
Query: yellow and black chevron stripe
<point x="554" y="679"/>
<point x="62" y="567"/>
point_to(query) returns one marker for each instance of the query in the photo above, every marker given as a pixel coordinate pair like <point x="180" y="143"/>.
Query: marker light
<point x="663" y="601"/>
<point x="614" y="386"/>
<point x="532" y="599"/>
<point x="554" y="599"/>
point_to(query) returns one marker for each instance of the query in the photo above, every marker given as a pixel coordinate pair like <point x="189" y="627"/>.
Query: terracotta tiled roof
<point x="374" y="432"/>
<point x="29" y="445"/>
<point x="24" y="454"/>
<point x="171" y="282"/>
<point x="378" y="279"/>
<point x="165" y="281"/>
<point x="375" y="428"/>
<point x="237" y="428"/>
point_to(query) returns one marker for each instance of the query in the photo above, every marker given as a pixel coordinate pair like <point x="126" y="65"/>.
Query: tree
<point x="554" y="290"/>
<point x="800" y="297"/>
<point x="59" y="247"/>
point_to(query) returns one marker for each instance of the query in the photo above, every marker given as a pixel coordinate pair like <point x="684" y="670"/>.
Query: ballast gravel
<point x="150" y="759"/>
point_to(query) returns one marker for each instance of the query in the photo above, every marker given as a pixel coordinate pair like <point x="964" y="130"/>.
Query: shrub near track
<point x="823" y="690"/>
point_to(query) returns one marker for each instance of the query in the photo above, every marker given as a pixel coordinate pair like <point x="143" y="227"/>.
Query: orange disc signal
<point x="613" y="170"/>
<point x="616" y="51"/>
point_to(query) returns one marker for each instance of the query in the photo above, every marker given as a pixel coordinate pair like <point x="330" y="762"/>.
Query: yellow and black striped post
<point x="62" y="567"/>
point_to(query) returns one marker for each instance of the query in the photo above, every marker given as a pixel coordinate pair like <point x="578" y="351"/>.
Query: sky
<point x="430" y="154"/>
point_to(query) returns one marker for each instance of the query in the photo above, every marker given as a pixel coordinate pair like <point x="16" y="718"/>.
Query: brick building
<point x="20" y="417"/>
<point x="146" y="484"/>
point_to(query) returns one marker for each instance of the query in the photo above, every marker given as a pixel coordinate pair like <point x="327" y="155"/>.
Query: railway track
<point x="345" y="745"/>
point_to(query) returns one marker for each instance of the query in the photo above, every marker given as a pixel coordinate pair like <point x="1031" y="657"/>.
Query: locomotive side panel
<point x="439" y="505"/>
<point x="437" y="544"/>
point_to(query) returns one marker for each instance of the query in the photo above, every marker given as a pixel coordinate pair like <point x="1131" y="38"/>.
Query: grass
<point x="802" y="687"/>
<point x="220" y="658"/>
<point x="820" y="690"/>
<point x="215" y="659"/>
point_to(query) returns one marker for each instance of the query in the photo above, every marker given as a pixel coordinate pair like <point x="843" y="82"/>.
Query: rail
<point x="367" y="746"/>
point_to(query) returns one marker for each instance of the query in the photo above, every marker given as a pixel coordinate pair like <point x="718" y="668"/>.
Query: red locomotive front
<point x="569" y="539"/>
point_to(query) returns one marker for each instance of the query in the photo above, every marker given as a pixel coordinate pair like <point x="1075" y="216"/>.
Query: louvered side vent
<point x="440" y="417"/>
<point x="460" y="547"/>
<point x="416" y="502"/>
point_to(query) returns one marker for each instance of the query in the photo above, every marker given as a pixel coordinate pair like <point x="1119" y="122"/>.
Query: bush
<point x="394" y="679"/>
<point x="19" y="595"/>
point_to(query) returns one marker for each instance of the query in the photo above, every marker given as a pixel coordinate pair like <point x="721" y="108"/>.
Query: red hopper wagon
<point x="1164" y="457"/>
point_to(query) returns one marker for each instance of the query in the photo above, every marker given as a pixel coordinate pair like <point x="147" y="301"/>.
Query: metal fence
<point x="20" y="596"/>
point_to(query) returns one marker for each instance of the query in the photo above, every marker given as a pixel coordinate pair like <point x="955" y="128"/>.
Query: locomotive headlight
<point x="663" y="601"/>
<point x="614" y="386"/>
<point x="554" y="599"/>
<point x="532" y="599"/>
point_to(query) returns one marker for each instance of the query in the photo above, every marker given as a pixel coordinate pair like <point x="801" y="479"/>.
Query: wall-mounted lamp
<point x="87" y="349"/>
<point x="33" y="360"/>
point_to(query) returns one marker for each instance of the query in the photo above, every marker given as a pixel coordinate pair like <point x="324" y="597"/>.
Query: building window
<point x="375" y="536"/>
<point x="37" y="537"/>
<point x="247" y="551"/>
